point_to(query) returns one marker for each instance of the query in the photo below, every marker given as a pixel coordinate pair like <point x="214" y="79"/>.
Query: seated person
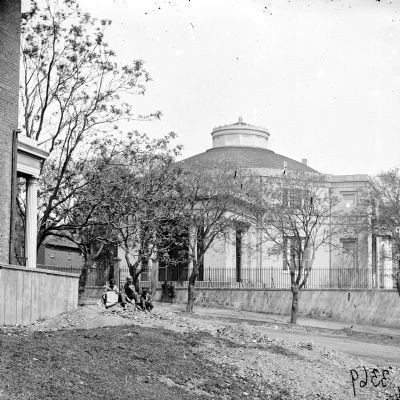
<point x="145" y="300"/>
<point x="131" y="294"/>
<point x="112" y="296"/>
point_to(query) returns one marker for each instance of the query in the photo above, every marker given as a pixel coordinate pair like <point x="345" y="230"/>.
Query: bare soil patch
<point x="93" y="353"/>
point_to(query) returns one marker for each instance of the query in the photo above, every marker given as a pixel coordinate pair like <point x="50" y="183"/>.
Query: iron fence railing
<point x="278" y="278"/>
<point x="258" y="278"/>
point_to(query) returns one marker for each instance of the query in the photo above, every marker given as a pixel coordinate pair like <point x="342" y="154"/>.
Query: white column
<point x="192" y="246"/>
<point x="260" y="256"/>
<point x="369" y="261"/>
<point x="387" y="265"/>
<point x="378" y="262"/>
<point x="31" y="221"/>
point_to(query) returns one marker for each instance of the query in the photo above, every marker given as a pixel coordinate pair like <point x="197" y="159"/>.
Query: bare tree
<point x="210" y="207"/>
<point x="298" y="214"/>
<point x="124" y="202"/>
<point x="382" y="203"/>
<point x="86" y="222"/>
<point x="73" y="96"/>
<point x="145" y="191"/>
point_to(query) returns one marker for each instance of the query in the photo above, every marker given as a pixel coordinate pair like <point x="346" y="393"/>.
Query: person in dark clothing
<point x="165" y="291"/>
<point x="130" y="291"/>
<point x="145" y="300"/>
<point x="171" y="291"/>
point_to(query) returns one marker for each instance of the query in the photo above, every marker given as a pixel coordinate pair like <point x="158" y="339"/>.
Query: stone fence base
<point x="369" y="307"/>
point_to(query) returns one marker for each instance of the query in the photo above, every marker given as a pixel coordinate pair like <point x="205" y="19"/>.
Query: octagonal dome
<point x="245" y="146"/>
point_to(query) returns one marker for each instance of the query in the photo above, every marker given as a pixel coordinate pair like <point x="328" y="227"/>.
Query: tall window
<point x="200" y="251"/>
<point x="349" y="199"/>
<point x="239" y="235"/>
<point x="173" y="264"/>
<point x="296" y="197"/>
<point x="350" y="249"/>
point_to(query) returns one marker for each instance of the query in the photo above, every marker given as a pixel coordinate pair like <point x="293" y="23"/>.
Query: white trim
<point x="28" y="170"/>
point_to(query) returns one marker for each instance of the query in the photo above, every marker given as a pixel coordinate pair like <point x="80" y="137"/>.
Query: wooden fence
<point x="30" y="294"/>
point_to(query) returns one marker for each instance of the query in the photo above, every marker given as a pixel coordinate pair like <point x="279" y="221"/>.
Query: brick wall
<point x="10" y="15"/>
<point x="59" y="256"/>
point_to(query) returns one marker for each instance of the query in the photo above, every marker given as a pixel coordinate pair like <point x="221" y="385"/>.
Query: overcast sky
<point x="322" y="76"/>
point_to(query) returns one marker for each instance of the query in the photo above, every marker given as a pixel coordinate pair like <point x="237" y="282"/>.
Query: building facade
<point x="61" y="253"/>
<point x="351" y="260"/>
<point x="10" y="16"/>
<point x="21" y="287"/>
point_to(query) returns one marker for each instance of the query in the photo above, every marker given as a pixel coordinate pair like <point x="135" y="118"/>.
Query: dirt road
<point x="380" y="349"/>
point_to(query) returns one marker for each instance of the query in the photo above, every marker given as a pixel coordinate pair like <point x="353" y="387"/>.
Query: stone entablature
<point x="30" y="157"/>
<point x="240" y="134"/>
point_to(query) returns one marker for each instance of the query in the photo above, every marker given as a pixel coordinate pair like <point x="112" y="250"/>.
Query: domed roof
<point x="244" y="146"/>
<point x="257" y="159"/>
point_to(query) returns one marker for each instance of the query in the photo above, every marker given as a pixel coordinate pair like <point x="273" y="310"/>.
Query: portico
<point x="29" y="164"/>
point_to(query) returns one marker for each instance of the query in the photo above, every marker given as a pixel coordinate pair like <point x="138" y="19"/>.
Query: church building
<point x="362" y="261"/>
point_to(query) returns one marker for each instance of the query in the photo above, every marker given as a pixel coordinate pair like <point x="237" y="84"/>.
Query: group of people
<point x="112" y="296"/>
<point x="168" y="292"/>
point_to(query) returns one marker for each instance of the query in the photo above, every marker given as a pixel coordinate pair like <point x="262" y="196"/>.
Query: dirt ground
<point x="93" y="353"/>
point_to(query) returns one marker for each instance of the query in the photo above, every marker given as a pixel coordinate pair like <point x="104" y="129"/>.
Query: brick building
<point x="10" y="15"/>
<point x="59" y="252"/>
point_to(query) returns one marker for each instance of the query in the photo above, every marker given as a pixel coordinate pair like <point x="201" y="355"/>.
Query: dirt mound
<point x="208" y="358"/>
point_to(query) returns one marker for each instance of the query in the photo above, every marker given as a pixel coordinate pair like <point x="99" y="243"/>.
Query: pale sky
<point x="323" y="76"/>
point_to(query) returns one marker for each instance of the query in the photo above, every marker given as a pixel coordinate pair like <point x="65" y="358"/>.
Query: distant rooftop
<point x="59" y="242"/>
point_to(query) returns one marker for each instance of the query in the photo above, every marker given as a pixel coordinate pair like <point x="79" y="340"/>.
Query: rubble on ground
<point x="256" y="355"/>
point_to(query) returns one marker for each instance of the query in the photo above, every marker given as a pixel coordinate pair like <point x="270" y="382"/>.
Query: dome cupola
<point x="244" y="146"/>
<point x="240" y="134"/>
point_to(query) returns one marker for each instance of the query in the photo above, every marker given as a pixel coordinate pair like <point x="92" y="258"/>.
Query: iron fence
<point x="278" y="278"/>
<point x="258" y="278"/>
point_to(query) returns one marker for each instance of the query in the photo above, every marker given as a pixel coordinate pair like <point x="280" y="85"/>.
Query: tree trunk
<point x="190" y="303"/>
<point x="83" y="277"/>
<point x="132" y="272"/>
<point x="135" y="271"/>
<point x="397" y="278"/>
<point x="191" y="287"/>
<point x="135" y="278"/>
<point x="295" y="304"/>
